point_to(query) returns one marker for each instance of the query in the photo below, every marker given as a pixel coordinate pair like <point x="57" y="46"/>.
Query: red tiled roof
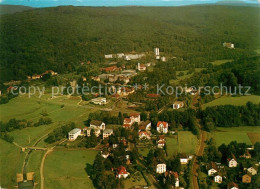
<point x="127" y="125"/>
<point x="144" y="132"/>
<point x="162" y="122"/>
<point x="121" y="170"/>
<point x="127" y="120"/>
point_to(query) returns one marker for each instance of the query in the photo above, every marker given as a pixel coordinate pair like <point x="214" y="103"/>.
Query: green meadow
<point x="185" y="143"/>
<point x="69" y="169"/>
<point x="240" y="134"/>
<point x="237" y="101"/>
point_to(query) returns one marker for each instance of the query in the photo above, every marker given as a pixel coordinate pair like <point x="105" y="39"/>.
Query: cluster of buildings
<point x="125" y="56"/>
<point x="218" y="171"/>
<point x="39" y="76"/>
<point x="96" y="126"/>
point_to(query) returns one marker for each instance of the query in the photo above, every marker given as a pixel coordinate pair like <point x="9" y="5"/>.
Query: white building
<point x="135" y="117"/>
<point x="218" y="179"/>
<point x="156" y="51"/>
<point x="184" y="159"/>
<point x="105" y="154"/>
<point x="108" y="56"/>
<point x="73" y="134"/>
<point x="212" y="169"/>
<point x="107" y="133"/>
<point x="97" y="131"/>
<point x="161" y="141"/>
<point x="162" y="127"/>
<point x="95" y="124"/>
<point x="232" y="162"/>
<point x="163" y="59"/>
<point x="141" y="67"/>
<point x="252" y="170"/>
<point x="161" y="168"/>
<point x="99" y="101"/>
<point x="178" y="105"/>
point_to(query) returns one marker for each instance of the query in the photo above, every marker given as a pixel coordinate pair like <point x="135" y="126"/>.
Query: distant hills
<point x="59" y="38"/>
<point x="10" y="9"/>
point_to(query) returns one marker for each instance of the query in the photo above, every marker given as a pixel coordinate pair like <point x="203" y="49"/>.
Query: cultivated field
<point x="68" y="169"/>
<point x="239" y="134"/>
<point x="237" y="101"/>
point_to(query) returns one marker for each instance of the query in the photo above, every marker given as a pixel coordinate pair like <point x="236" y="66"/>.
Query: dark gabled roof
<point x="96" y="122"/>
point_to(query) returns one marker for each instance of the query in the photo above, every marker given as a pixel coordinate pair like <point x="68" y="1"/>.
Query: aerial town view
<point x="129" y="94"/>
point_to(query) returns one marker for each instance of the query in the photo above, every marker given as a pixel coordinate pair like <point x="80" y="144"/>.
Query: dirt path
<point x="42" y="165"/>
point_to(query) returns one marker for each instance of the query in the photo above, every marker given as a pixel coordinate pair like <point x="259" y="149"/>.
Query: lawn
<point x="11" y="161"/>
<point x="237" y="101"/>
<point x="172" y="145"/>
<point x="239" y="134"/>
<point x="186" y="143"/>
<point x="135" y="180"/>
<point x="67" y="169"/>
<point x="219" y="62"/>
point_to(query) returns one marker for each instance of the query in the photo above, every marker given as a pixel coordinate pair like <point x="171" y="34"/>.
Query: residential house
<point x="97" y="124"/>
<point x="176" y="177"/>
<point x="247" y="155"/>
<point x="135" y="117"/>
<point x="161" y="168"/>
<point x="105" y="154"/>
<point x="184" y="159"/>
<point x="218" y="178"/>
<point x="232" y="185"/>
<point x="247" y="178"/>
<point x="162" y="127"/>
<point x="212" y="169"/>
<point x="144" y="135"/>
<point x="161" y="141"/>
<point x="253" y="170"/>
<point x="97" y="131"/>
<point x="153" y="95"/>
<point x="141" y="67"/>
<point x="178" y="105"/>
<point x="145" y="126"/>
<point x="73" y="134"/>
<point x="36" y="77"/>
<point x="229" y="45"/>
<point x="122" y="173"/>
<point x="232" y="162"/>
<point x="128" y="123"/>
<point x="107" y="133"/>
<point x="99" y="101"/>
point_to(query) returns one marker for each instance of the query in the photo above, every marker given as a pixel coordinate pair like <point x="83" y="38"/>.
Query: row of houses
<point x="39" y="76"/>
<point x="125" y="56"/>
<point x="217" y="170"/>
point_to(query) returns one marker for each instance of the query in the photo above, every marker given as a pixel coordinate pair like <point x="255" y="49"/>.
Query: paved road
<point x="195" y="163"/>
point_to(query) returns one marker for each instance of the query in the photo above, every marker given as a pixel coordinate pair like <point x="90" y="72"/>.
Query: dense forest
<point x="60" y="38"/>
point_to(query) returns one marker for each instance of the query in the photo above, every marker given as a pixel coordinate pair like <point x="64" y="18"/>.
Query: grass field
<point x="186" y="143"/>
<point x="34" y="164"/>
<point x="219" y="62"/>
<point x="11" y="161"/>
<point x="254" y="137"/>
<point x="239" y="134"/>
<point x="66" y="169"/>
<point x="237" y="101"/>
<point x="135" y="180"/>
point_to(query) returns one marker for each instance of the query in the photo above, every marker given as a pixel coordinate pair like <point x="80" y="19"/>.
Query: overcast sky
<point x="49" y="3"/>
